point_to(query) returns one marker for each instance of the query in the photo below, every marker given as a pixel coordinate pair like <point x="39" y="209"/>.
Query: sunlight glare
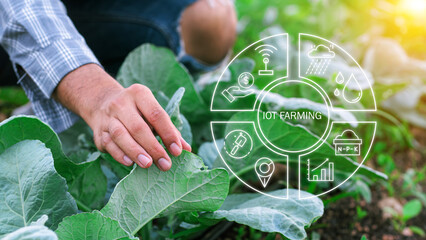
<point x="414" y="6"/>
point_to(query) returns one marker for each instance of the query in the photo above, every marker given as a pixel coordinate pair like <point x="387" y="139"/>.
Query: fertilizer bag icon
<point x="347" y="144"/>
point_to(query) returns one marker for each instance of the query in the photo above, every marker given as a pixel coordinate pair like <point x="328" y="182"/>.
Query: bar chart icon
<point x="324" y="174"/>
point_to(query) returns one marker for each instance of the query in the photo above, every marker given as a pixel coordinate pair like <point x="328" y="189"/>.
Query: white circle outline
<point x="267" y="166"/>
<point x="252" y="80"/>
<point x="251" y="143"/>
<point x="317" y="143"/>
<point x="301" y="77"/>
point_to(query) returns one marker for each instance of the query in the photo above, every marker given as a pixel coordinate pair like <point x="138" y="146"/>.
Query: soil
<point x="340" y="218"/>
<point x="340" y="221"/>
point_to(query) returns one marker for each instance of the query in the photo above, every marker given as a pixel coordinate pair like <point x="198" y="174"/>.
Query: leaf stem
<point x="82" y="206"/>
<point x="397" y="123"/>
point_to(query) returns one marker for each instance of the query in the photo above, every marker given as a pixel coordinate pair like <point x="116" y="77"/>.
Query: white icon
<point x="347" y="95"/>
<point x="265" y="49"/>
<point x="339" y="78"/>
<point x="245" y="81"/>
<point x="264" y="168"/>
<point x="347" y="144"/>
<point x="238" y="144"/>
<point x="320" y="59"/>
<point x="325" y="175"/>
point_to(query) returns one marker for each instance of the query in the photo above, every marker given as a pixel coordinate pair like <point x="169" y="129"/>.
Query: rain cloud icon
<point x="321" y="51"/>
<point x="320" y="59"/>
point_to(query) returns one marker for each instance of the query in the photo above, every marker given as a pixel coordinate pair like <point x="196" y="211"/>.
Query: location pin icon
<point x="264" y="168"/>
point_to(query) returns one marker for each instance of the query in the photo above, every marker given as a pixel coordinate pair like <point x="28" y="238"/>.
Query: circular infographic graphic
<point x="238" y="144"/>
<point x="297" y="117"/>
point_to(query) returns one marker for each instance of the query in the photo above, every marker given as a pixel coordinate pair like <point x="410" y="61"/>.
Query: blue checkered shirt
<point x="44" y="46"/>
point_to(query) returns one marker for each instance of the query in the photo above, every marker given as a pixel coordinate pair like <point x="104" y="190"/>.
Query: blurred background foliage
<point x="338" y="20"/>
<point x="387" y="38"/>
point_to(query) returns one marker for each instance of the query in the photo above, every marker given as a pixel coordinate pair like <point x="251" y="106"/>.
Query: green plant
<point x="54" y="176"/>
<point x="359" y="186"/>
<point x="11" y="98"/>
<point x="411" y="184"/>
<point x="360" y="213"/>
<point x="410" y="210"/>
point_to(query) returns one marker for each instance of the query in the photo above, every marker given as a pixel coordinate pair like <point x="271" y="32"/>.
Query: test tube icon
<point x="239" y="143"/>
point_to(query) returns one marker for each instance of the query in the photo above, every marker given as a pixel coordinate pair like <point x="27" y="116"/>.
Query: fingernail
<point x="175" y="149"/>
<point x="143" y="160"/>
<point x="164" y="164"/>
<point x="127" y="160"/>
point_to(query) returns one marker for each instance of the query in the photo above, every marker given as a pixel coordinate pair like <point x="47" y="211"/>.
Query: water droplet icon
<point x="340" y="79"/>
<point x="336" y="92"/>
<point x="347" y="95"/>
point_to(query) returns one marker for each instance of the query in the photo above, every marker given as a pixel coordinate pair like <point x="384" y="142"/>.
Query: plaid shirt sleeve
<point x="44" y="46"/>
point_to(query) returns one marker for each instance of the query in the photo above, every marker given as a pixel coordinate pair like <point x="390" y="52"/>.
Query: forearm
<point x="83" y="89"/>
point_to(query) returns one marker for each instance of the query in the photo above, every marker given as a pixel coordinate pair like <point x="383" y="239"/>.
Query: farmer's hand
<point x="122" y="119"/>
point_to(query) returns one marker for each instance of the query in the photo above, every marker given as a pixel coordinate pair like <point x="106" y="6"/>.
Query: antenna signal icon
<point x="266" y="50"/>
